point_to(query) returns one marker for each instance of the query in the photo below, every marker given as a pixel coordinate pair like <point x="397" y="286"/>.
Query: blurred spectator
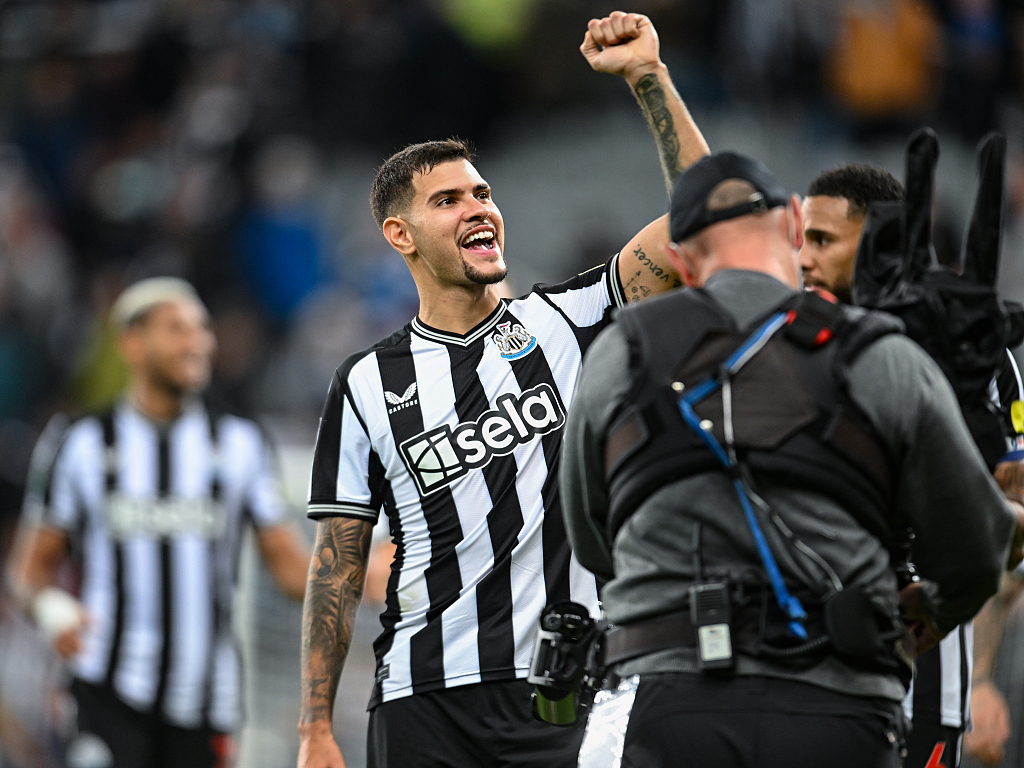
<point x="884" y="68"/>
<point x="36" y="286"/>
<point x="53" y="128"/>
<point x="977" y="64"/>
<point x="385" y="73"/>
<point x="280" y="243"/>
<point x="774" y="48"/>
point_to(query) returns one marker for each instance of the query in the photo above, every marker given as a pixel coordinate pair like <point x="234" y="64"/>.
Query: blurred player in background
<point x="834" y="211"/>
<point x="453" y="425"/>
<point x="150" y="499"/>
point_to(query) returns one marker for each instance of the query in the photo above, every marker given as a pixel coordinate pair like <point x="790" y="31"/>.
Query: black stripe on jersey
<point x="166" y="592"/>
<point x="928" y="686"/>
<point x="216" y="610"/>
<point x="531" y="370"/>
<point x="965" y="673"/>
<point x="504" y="522"/>
<point x="110" y="473"/>
<point x="324" y="480"/>
<point x="443" y="576"/>
<point x="392" y="610"/>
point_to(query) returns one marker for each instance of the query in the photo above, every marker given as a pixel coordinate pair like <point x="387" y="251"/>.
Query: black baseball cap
<point x="689" y="212"/>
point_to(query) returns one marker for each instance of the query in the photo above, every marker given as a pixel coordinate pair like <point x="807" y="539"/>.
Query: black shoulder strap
<point x="681" y="318"/>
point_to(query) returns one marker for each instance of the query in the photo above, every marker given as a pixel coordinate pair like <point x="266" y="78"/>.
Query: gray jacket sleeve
<point x="602" y="386"/>
<point x="962" y="525"/>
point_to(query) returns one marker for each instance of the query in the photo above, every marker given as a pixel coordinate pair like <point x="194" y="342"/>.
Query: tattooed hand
<point x="622" y="44"/>
<point x="337" y="572"/>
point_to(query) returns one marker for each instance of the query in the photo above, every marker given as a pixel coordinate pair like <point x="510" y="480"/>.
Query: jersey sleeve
<point x="346" y="478"/>
<point x="51" y="496"/>
<point x="586" y="299"/>
<point x="265" y="500"/>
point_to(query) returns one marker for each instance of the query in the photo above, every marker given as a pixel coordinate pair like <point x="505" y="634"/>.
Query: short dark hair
<point x="861" y="185"/>
<point x="392" y="187"/>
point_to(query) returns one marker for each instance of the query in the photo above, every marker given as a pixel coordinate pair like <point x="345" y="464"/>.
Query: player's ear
<point x="398" y="234"/>
<point x="795" y="219"/>
<point x="680" y="262"/>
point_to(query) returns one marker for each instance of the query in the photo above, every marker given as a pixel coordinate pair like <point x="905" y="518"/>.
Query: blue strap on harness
<point x="789" y="604"/>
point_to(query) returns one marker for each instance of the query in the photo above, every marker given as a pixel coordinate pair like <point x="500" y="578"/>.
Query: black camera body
<point x="566" y="668"/>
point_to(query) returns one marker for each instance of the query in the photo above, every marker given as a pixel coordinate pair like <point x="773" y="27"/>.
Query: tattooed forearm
<point x="337" y="573"/>
<point x="651" y="95"/>
<point x="1010" y="476"/>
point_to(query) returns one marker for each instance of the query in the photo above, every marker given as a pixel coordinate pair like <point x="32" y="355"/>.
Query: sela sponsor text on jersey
<point x="440" y="456"/>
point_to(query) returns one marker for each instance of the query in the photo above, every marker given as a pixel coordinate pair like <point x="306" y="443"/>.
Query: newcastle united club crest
<point x="513" y="341"/>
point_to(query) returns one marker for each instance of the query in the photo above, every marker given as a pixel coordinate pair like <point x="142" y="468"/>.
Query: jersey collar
<point x="462" y="340"/>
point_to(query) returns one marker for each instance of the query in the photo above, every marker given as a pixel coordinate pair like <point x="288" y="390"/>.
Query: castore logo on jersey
<point x="440" y="456"/>
<point x="396" y="403"/>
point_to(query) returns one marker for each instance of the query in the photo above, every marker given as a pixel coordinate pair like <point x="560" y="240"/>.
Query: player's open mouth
<point x="481" y="241"/>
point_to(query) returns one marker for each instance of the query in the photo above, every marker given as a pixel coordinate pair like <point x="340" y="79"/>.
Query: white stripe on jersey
<point x="558" y="323"/>
<point x="354" y="463"/>
<point x="193" y="629"/>
<point x="137" y="676"/>
<point x="954" y="702"/>
<point x="953" y="695"/>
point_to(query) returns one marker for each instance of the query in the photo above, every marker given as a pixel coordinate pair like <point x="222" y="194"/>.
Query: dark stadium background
<point x="232" y="142"/>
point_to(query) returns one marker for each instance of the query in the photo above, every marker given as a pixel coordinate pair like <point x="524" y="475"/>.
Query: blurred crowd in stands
<point x="197" y="138"/>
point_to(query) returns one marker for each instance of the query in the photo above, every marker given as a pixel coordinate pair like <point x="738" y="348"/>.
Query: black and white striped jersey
<point x="155" y="515"/>
<point x="457" y="437"/>
<point x="941" y="689"/>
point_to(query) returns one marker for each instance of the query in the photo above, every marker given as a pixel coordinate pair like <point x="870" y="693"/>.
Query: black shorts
<point x="485" y="725"/>
<point x="932" y="745"/>
<point x="681" y="720"/>
<point x="113" y="735"/>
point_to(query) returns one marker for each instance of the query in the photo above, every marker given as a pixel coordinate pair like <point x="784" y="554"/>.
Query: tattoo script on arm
<point x="337" y="573"/>
<point x="653" y="101"/>
<point x="635" y="288"/>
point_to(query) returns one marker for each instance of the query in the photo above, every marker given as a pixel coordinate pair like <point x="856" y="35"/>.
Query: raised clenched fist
<point x="621" y="44"/>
